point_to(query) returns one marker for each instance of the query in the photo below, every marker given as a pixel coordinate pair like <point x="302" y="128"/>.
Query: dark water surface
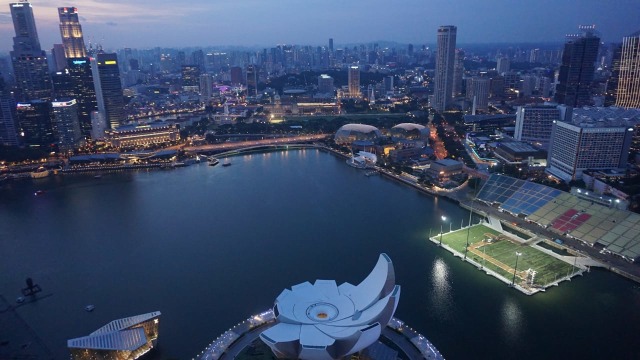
<point x="210" y="246"/>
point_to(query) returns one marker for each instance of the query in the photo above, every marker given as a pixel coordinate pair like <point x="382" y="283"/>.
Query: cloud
<point x="111" y="23"/>
<point x="5" y="17"/>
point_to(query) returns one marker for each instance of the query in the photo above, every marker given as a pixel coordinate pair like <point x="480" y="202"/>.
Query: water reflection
<point x="512" y="321"/>
<point x="441" y="298"/>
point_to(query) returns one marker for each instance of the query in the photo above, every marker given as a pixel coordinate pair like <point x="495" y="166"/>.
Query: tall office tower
<point x="577" y="68"/>
<point x="611" y="92"/>
<point x="190" y="77"/>
<point x="106" y="78"/>
<point x="458" y="71"/>
<point x="331" y="45"/>
<point x="497" y="86"/>
<point x="445" y="61"/>
<point x="206" y="87"/>
<point x="8" y="124"/>
<point x="98" y="125"/>
<point x="71" y="33"/>
<point x="587" y="144"/>
<point x="252" y="80"/>
<point x="527" y="85"/>
<point x="478" y="92"/>
<point x="236" y="75"/>
<point x="62" y="84"/>
<point x="503" y="65"/>
<point x="354" y="81"/>
<point x="628" y="94"/>
<point x="325" y="84"/>
<point x="29" y="61"/>
<point x="410" y="50"/>
<point x="197" y="58"/>
<point x="534" y="123"/>
<point x="84" y="91"/>
<point x="57" y="55"/>
<point x="388" y="83"/>
<point x="34" y="121"/>
<point x="66" y="125"/>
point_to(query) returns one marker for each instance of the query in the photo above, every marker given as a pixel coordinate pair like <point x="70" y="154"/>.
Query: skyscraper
<point x="478" y="92"/>
<point x="34" y="119"/>
<point x="29" y="61"/>
<point x="71" y="33"/>
<point x="458" y="71"/>
<point x="628" y="94"/>
<point x="252" y="80"/>
<point x="503" y="65"/>
<point x="534" y="124"/>
<point x="354" y="81"/>
<point x="445" y="61"/>
<point x="84" y="91"/>
<point x="325" y="84"/>
<point x="190" y="77"/>
<point x="8" y="126"/>
<point x="66" y="125"/>
<point x="577" y="68"/>
<point x="106" y="77"/>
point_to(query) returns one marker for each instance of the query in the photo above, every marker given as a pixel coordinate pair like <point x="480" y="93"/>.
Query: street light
<point x="444" y="218"/>
<point x="513" y="281"/>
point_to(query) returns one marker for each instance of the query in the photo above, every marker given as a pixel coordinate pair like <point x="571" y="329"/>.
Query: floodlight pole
<point x="444" y="218"/>
<point x="513" y="281"/>
<point x="468" y="231"/>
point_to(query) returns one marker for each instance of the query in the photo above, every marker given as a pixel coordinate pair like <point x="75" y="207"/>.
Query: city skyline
<point x="255" y="23"/>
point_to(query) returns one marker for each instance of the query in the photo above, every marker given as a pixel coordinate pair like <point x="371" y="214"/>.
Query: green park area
<point x="496" y="251"/>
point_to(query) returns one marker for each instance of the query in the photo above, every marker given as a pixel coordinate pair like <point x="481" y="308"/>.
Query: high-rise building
<point x="587" y="145"/>
<point x="354" y="81"/>
<point x="458" y="71"/>
<point x="628" y="94"/>
<point x="534" y="124"/>
<point x="503" y="65"/>
<point x="236" y="75"/>
<point x="8" y="124"/>
<point x="445" y="63"/>
<point x="57" y="56"/>
<point x="197" y="58"/>
<point x="106" y="77"/>
<point x="478" y="92"/>
<point x="71" y="33"/>
<point x="190" y="77"/>
<point x="29" y="61"/>
<point x="66" y="125"/>
<point x="331" y="45"/>
<point x="84" y="91"/>
<point x="34" y="120"/>
<point x="576" y="71"/>
<point x="388" y="83"/>
<point x="325" y="84"/>
<point x="611" y="92"/>
<point x="62" y="84"/>
<point x="252" y="80"/>
<point x="206" y="87"/>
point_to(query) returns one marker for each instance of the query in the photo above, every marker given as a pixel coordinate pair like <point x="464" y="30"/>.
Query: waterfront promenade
<point x="235" y="340"/>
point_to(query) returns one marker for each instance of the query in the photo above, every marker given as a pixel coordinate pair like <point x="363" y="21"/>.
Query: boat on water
<point x="40" y="173"/>
<point x="20" y="299"/>
<point x="226" y="163"/>
<point x="38" y="192"/>
<point x="89" y="308"/>
<point x="213" y="161"/>
<point x="97" y="176"/>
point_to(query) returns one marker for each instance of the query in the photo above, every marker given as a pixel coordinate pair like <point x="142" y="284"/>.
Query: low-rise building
<point x="142" y="135"/>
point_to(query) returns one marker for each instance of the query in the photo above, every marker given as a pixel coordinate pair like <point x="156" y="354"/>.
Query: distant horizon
<point x="146" y="24"/>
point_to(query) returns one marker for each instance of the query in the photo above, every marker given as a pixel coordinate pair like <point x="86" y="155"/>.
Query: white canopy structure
<point x="325" y="321"/>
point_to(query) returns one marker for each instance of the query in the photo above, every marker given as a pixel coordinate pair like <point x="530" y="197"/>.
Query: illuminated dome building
<point x="409" y="132"/>
<point x="357" y="133"/>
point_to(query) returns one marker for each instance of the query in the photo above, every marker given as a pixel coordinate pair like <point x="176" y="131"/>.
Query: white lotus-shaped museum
<point x="326" y="321"/>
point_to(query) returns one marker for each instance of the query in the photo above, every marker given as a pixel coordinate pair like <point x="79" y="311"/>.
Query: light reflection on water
<point x="441" y="298"/>
<point x="512" y="320"/>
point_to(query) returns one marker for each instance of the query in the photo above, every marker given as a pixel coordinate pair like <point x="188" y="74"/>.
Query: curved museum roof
<point x="327" y="321"/>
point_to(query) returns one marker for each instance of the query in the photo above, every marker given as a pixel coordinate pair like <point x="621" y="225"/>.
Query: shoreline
<point x="404" y="180"/>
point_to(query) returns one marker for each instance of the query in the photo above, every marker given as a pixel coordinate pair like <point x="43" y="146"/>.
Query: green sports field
<point x="494" y="251"/>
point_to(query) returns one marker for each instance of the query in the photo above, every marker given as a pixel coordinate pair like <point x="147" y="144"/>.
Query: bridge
<point x="259" y="148"/>
<point x="229" y="148"/>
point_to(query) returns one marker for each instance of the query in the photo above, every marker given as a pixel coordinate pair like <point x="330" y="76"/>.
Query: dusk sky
<point x="170" y="23"/>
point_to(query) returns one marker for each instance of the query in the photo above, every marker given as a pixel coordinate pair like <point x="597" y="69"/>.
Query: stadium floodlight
<point x="444" y="218"/>
<point x="513" y="281"/>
